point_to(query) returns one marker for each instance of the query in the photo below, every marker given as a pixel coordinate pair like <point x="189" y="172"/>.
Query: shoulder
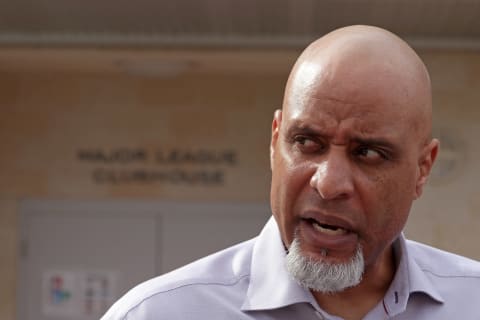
<point x="453" y="282"/>
<point x="443" y="264"/>
<point x="219" y="275"/>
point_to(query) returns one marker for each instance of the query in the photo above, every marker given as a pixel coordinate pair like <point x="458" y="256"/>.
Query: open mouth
<point x="328" y="229"/>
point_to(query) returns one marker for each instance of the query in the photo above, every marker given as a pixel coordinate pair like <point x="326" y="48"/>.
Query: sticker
<point x="98" y="292"/>
<point x="59" y="293"/>
<point x="74" y="294"/>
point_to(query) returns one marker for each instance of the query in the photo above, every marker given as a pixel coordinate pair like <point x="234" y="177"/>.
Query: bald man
<point x="351" y="150"/>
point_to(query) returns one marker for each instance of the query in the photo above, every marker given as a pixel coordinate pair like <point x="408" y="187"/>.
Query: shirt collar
<point x="271" y="286"/>
<point x="409" y="279"/>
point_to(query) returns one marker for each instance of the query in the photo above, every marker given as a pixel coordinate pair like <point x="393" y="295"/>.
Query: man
<point x="350" y="151"/>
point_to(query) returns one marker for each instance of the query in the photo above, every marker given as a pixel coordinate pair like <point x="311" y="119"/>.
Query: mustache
<point x="336" y="207"/>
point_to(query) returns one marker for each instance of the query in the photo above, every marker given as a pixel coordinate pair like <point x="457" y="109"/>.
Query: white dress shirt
<point x="249" y="281"/>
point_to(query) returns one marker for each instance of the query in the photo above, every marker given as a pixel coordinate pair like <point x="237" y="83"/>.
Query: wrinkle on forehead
<point x="350" y="124"/>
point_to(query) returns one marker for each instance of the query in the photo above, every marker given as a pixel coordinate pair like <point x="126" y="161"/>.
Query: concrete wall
<point x="75" y="122"/>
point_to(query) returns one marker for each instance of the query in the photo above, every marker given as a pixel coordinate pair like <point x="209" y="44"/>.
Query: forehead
<point x="333" y="116"/>
<point x="367" y="98"/>
<point x="353" y="96"/>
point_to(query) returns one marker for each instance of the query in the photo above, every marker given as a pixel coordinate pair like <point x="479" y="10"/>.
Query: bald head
<point x="367" y="64"/>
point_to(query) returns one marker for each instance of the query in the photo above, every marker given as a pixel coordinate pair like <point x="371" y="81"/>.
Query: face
<point x="347" y="162"/>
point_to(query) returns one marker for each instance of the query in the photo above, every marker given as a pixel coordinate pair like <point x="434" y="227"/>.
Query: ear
<point x="277" y="119"/>
<point x="425" y="165"/>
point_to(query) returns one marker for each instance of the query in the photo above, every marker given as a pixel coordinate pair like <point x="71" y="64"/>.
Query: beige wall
<point x="55" y="103"/>
<point x="448" y="214"/>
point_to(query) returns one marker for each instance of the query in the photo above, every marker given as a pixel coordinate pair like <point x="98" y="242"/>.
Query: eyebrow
<point x="375" y="142"/>
<point x="305" y="129"/>
<point x="309" y="130"/>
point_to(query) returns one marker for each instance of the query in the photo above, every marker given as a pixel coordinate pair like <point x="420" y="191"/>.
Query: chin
<point x="323" y="273"/>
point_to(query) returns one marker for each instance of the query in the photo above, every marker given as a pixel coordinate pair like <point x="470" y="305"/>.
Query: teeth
<point x="335" y="232"/>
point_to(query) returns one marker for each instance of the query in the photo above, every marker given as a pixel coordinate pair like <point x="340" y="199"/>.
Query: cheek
<point x="287" y="185"/>
<point x="289" y="181"/>
<point x="290" y="174"/>
<point x="392" y="197"/>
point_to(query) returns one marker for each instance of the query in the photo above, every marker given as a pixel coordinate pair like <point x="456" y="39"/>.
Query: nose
<point x="333" y="178"/>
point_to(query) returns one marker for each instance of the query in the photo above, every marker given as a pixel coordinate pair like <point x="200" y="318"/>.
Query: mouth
<point x="328" y="233"/>
<point x="328" y="229"/>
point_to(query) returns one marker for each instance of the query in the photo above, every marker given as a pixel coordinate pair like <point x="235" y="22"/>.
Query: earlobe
<point x="425" y="165"/>
<point x="277" y="119"/>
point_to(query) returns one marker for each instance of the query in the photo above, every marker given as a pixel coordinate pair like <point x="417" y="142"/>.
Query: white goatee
<point x="323" y="276"/>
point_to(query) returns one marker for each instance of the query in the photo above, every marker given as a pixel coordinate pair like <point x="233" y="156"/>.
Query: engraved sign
<point x="177" y="166"/>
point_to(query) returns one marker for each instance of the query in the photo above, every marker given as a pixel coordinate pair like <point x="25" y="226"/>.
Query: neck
<point x="356" y="302"/>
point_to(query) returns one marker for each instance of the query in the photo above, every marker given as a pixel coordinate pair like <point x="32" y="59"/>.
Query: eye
<point x="307" y="144"/>
<point x="369" y="154"/>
